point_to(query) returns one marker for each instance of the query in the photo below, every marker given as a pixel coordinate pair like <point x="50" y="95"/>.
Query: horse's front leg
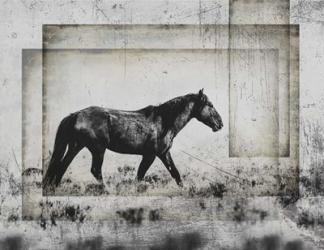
<point x="169" y="164"/>
<point x="144" y="166"/>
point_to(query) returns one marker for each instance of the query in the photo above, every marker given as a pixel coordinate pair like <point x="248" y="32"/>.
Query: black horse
<point x="148" y="132"/>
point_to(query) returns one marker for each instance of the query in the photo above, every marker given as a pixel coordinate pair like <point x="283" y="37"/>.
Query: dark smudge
<point x="89" y="244"/>
<point x="271" y="242"/>
<point x="294" y="245"/>
<point x="262" y="214"/>
<point x="95" y="243"/>
<point x="12" y="243"/>
<point x="202" y="205"/>
<point x="238" y="212"/>
<point x="191" y="241"/>
<point x="154" y="215"/>
<point x="188" y="241"/>
<point x="306" y="219"/>
<point x="288" y="199"/>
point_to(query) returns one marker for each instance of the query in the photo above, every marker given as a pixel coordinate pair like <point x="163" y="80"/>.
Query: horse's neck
<point x="182" y="119"/>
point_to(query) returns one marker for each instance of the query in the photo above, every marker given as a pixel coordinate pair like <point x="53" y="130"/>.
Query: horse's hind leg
<point x="144" y="166"/>
<point x="69" y="156"/>
<point x="97" y="160"/>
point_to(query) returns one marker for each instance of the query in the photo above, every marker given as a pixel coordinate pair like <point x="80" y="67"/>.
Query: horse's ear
<point x="201" y="92"/>
<point x="201" y="95"/>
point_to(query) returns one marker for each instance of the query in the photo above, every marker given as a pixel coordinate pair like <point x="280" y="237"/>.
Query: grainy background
<point x="196" y="217"/>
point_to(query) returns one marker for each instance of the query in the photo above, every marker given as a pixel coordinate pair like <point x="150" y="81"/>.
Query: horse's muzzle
<point x="215" y="129"/>
<point x="218" y="127"/>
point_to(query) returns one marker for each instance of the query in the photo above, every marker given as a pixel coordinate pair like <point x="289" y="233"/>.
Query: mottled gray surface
<point x="193" y="218"/>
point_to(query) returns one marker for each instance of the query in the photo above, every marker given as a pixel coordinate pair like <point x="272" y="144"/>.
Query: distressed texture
<point x="239" y="225"/>
<point x="254" y="111"/>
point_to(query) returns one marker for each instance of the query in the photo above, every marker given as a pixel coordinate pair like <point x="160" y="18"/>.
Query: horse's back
<point x="92" y="123"/>
<point x="91" y="116"/>
<point x="95" y="116"/>
<point x="119" y="130"/>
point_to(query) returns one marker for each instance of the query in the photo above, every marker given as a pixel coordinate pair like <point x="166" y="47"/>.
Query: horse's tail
<point x="64" y="136"/>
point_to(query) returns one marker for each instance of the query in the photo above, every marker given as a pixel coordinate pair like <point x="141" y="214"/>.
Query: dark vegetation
<point x="135" y="216"/>
<point x="32" y="171"/>
<point x="213" y="190"/>
<point x="95" y="189"/>
<point x="286" y="199"/>
<point x="132" y="215"/>
<point x="240" y="213"/>
<point x="57" y="211"/>
<point x="154" y="215"/>
<point x="306" y="219"/>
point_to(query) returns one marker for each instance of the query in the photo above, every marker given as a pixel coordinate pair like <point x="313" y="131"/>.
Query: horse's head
<point x="206" y="113"/>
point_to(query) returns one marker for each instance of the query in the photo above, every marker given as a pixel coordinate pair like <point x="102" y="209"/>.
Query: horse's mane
<point x="170" y="110"/>
<point x="174" y="105"/>
<point x="147" y="111"/>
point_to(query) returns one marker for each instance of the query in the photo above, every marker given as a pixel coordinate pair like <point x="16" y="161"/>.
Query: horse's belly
<point x="127" y="146"/>
<point x="130" y="138"/>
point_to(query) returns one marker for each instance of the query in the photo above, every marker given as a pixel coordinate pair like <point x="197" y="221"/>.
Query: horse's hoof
<point x="138" y="180"/>
<point x="180" y="183"/>
<point x="49" y="190"/>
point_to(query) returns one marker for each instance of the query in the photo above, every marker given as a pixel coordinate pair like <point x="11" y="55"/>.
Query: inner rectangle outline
<point x="124" y="27"/>
<point x="120" y="26"/>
